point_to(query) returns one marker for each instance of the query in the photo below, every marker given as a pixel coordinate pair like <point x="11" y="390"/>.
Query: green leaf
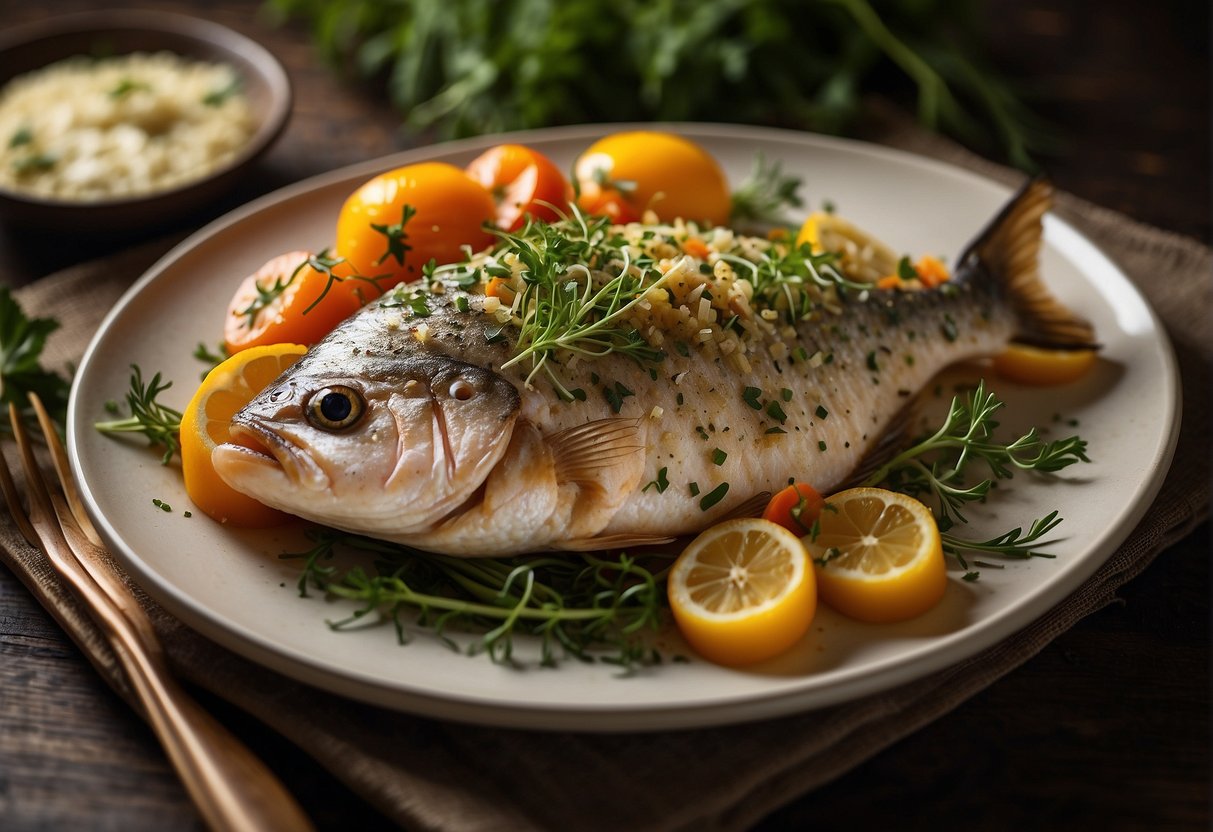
<point x="22" y="340"/>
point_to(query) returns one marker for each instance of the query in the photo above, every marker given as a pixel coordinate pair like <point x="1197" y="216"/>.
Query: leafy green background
<point x="465" y="67"/>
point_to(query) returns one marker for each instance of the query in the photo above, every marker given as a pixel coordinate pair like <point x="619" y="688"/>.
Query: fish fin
<point x="751" y="507"/>
<point x="582" y="453"/>
<point x="895" y="436"/>
<point x="1009" y="247"/>
<point x="612" y="541"/>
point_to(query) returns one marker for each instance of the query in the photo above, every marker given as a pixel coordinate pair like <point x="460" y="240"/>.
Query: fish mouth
<point x="265" y="451"/>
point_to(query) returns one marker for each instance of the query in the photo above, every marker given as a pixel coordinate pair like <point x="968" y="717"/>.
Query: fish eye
<point x="461" y="390"/>
<point x="335" y="408"/>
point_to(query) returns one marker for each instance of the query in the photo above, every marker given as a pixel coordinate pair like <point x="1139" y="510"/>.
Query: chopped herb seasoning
<point x="578" y="394"/>
<point x="615" y="396"/>
<point x="905" y="270"/>
<point x="22" y="136"/>
<point x="821" y="412"/>
<point x="774" y="430"/>
<point x="948" y="327"/>
<point x="719" y="456"/>
<point x="786" y="394"/>
<point x="714" y="496"/>
<point x="661" y="483"/>
<point x="160" y="504"/>
<point x="800" y="354"/>
<point x="679" y="399"/>
<point x="461" y="303"/>
<point x="694" y="489"/>
<point x="909" y="360"/>
<point x="703" y="434"/>
<point x="494" y="335"/>
<point x="872" y="365"/>
<point x="750" y="396"/>
<point x="593" y="378"/>
<point x="187" y="513"/>
<point x="776" y="412"/>
<point x="821" y="445"/>
<point x="682" y="349"/>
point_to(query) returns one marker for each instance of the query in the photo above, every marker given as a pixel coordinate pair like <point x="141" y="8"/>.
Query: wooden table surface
<point x="1107" y="728"/>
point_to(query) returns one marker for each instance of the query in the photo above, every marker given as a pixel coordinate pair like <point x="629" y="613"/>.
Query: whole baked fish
<point x="613" y="390"/>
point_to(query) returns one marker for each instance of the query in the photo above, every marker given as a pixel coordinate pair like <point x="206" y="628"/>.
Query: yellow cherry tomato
<point x="397" y="222"/>
<point x="653" y="171"/>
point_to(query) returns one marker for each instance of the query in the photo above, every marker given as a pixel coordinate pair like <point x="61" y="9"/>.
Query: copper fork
<point x="232" y="789"/>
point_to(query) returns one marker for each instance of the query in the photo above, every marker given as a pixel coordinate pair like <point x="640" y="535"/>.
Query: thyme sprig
<point x="157" y="421"/>
<point x="589" y="606"/>
<point x="937" y="466"/>
<point x="580" y="281"/>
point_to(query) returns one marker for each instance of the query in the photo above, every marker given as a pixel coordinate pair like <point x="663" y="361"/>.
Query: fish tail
<point x="1009" y="250"/>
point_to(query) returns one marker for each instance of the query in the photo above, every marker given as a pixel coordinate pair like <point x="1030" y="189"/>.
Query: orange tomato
<point x="522" y="181"/>
<point x="795" y="508"/>
<point x="397" y="222"/>
<point x="285" y="301"/>
<point x="662" y="172"/>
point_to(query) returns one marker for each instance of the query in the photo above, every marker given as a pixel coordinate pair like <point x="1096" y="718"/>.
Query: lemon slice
<point x="1041" y="367"/>
<point x="204" y="426"/>
<point x="878" y="556"/>
<point x="862" y="257"/>
<point x="743" y="591"/>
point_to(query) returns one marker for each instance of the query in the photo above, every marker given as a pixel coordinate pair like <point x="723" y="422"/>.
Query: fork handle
<point x="231" y="787"/>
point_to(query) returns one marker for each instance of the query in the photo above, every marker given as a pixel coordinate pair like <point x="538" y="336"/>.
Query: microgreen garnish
<point x="580" y="281"/>
<point x="158" y="422"/>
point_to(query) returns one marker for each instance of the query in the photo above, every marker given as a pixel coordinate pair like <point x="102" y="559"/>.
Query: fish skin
<point x="520" y="483"/>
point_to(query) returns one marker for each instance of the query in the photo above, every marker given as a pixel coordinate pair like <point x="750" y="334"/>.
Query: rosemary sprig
<point x="592" y="607"/>
<point x="155" y="420"/>
<point x="936" y="466"/>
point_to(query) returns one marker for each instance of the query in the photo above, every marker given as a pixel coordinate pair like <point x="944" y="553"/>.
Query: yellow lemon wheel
<point x="861" y="257"/>
<point x="1033" y="365"/>
<point x="878" y="556"/>
<point x="743" y="591"/>
<point x="205" y="423"/>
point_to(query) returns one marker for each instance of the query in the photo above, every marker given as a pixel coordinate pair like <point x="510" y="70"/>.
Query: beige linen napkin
<point x="427" y="774"/>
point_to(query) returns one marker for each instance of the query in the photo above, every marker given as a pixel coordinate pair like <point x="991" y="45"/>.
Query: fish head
<point x="390" y="447"/>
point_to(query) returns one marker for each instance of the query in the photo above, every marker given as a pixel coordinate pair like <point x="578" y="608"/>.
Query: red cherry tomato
<point x="522" y="181"/>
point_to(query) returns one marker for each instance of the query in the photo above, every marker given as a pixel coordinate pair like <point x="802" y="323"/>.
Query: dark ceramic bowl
<point x="35" y="45"/>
